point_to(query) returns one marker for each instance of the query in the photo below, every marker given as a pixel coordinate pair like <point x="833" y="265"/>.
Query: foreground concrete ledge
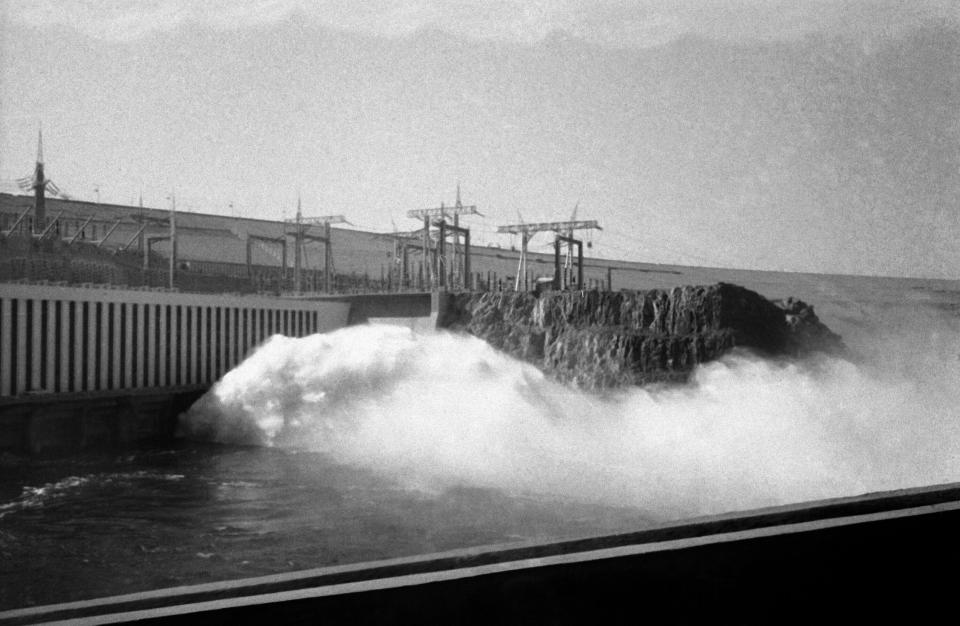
<point x="825" y="550"/>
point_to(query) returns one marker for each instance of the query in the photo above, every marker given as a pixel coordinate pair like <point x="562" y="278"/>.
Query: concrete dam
<point x="83" y="367"/>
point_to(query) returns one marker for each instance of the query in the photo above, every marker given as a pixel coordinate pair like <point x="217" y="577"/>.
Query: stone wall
<point x="600" y="339"/>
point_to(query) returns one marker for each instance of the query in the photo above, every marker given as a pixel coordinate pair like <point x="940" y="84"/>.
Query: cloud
<point x="619" y="23"/>
<point x="127" y="20"/>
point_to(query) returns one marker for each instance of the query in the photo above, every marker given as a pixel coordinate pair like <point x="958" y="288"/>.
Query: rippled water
<point x="92" y="526"/>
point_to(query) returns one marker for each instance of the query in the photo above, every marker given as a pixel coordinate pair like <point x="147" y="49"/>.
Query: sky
<point x="818" y="136"/>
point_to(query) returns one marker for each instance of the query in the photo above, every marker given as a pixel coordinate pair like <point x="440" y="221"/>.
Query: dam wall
<point x="64" y="339"/>
<point x="71" y="356"/>
<point x="82" y="367"/>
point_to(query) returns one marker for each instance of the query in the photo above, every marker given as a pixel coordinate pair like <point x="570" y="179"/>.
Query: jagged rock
<point x="600" y="339"/>
<point x="805" y="330"/>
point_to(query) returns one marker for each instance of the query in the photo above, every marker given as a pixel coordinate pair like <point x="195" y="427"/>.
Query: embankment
<point x="597" y="339"/>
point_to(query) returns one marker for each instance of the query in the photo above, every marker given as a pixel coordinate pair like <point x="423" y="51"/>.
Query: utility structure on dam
<point x="446" y="271"/>
<point x="97" y="243"/>
<point x="564" y="234"/>
<point x="173" y="250"/>
<point x="301" y="234"/>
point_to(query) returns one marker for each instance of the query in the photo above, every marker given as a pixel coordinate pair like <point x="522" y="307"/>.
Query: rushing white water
<point x="439" y="409"/>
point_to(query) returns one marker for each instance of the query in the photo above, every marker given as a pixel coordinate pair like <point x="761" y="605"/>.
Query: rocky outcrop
<point x="600" y="339"/>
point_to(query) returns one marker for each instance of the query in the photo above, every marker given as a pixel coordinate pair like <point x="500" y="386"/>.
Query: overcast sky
<point x="811" y="136"/>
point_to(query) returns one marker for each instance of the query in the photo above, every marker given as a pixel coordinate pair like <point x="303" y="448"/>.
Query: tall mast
<point x="173" y="236"/>
<point x="297" y="245"/>
<point x="39" y="189"/>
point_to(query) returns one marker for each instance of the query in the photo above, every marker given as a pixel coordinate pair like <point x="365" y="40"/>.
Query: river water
<point x="102" y="525"/>
<point x="374" y="442"/>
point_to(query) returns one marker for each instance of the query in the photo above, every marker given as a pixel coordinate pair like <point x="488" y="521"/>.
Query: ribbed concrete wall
<point x="64" y="339"/>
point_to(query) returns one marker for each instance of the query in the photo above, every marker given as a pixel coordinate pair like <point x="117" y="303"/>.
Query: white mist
<point x="439" y="409"/>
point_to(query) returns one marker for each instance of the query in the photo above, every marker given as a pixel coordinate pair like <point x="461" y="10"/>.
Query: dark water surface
<point x="91" y="526"/>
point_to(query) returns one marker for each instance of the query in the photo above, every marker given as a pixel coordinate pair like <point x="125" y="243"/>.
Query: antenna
<point x="39" y="185"/>
<point x="40" y="144"/>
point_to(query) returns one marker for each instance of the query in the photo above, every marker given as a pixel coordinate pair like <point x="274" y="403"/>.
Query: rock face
<point x="599" y="339"/>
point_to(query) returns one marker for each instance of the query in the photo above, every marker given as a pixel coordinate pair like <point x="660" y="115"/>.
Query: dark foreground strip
<point x="878" y="556"/>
